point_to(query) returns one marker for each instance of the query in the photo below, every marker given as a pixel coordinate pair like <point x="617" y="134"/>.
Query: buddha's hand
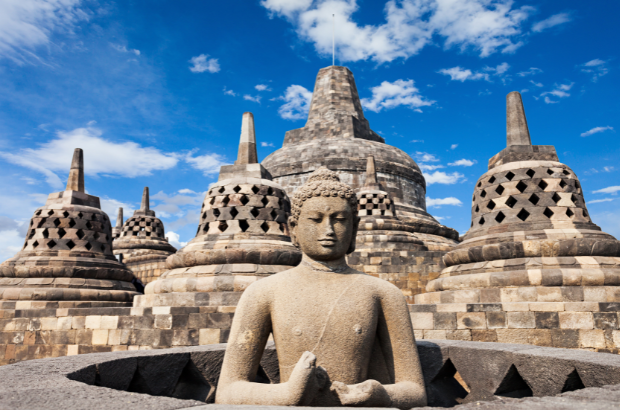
<point x="306" y="380"/>
<point x="368" y="394"/>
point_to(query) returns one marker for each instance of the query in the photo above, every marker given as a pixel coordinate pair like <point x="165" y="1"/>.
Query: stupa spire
<point x="119" y="218"/>
<point x="76" y="174"/>
<point x="247" y="144"/>
<point x="145" y="200"/>
<point x="517" y="132"/>
<point x="371" y="174"/>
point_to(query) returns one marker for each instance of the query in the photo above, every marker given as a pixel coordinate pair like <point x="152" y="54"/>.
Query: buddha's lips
<point x="327" y="242"/>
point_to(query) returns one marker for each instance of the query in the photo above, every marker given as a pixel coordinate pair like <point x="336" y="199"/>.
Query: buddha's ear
<point x="356" y="222"/>
<point x="292" y="227"/>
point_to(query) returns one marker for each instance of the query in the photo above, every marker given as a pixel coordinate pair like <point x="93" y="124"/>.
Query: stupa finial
<point x="119" y="218"/>
<point x="76" y="174"/>
<point x="517" y="132"/>
<point x="247" y="144"/>
<point x="145" y="199"/>
<point x="371" y="174"/>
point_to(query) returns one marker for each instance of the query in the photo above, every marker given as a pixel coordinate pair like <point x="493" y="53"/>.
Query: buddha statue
<point x="342" y="337"/>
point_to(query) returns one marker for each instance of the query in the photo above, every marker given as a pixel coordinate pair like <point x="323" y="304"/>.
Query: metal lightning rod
<point x="333" y="39"/>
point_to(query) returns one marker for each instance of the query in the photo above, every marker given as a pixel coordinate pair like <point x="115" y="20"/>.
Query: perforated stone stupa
<point x="67" y="255"/>
<point x="143" y="244"/>
<point x="533" y="268"/>
<point x="338" y="136"/>
<point x="242" y="236"/>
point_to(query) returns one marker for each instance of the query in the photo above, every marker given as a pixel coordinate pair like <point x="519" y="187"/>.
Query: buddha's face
<point x="325" y="228"/>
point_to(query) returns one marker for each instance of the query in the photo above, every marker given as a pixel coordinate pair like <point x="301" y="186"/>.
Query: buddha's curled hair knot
<point x="322" y="183"/>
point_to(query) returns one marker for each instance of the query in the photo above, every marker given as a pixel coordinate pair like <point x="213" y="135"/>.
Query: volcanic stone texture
<point x="67" y="256"/>
<point x="338" y="137"/>
<point x="533" y="268"/>
<point x="143" y="244"/>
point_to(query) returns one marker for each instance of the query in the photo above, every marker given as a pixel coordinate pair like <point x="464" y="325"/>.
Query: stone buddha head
<point x="323" y="221"/>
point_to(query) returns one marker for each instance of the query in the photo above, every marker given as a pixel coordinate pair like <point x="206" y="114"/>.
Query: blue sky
<point x="153" y="91"/>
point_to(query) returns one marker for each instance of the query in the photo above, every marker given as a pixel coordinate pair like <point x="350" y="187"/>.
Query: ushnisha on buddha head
<point x="342" y="337"/>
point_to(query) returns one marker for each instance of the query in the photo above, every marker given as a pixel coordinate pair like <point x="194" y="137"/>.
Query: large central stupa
<point x="338" y="136"/>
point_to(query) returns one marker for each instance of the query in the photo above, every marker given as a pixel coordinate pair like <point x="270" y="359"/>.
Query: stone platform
<point x="478" y="375"/>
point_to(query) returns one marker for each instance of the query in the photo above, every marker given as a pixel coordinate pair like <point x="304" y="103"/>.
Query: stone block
<point x="519" y="336"/>
<point x="444" y="320"/>
<point x="521" y="320"/>
<point x="109" y="322"/>
<point x="464" y="335"/>
<point x="496" y="320"/>
<point x="594" y="338"/>
<point x="605" y="320"/>
<point x="547" y="320"/>
<point x="422" y="320"/>
<point x="64" y="323"/>
<point x="209" y="336"/>
<point x="100" y="337"/>
<point x="471" y="320"/>
<point x="576" y="320"/>
<point x="93" y="322"/>
<point x="435" y="334"/>
<point x="484" y="336"/>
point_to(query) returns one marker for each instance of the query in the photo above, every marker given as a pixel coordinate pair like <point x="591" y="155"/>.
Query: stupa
<point x="533" y="267"/>
<point x="67" y="255"/>
<point x="339" y="137"/>
<point x="142" y="242"/>
<point x="242" y="236"/>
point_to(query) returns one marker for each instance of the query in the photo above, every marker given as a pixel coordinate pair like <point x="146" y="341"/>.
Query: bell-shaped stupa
<point x="67" y="255"/>
<point x="143" y="244"/>
<point x="532" y="261"/>
<point x="242" y="236"/>
<point x="339" y="137"/>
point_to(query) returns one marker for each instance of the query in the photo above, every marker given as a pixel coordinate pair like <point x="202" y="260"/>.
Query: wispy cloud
<point x="390" y="95"/>
<point x="124" y="49"/>
<point x="531" y="71"/>
<point x="229" y="92"/>
<point x="463" y="163"/>
<point x="425" y="157"/>
<point x="410" y="25"/>
<point x="209" y="164"/>
<point x="536" y="84"/>
<point x="596" y="201"/>
<point x="429" y="167"/>
<point x="596" y="130"/>
<point x="440" y="177"/>
<point x="609" y="190"/>
<point x="296" y="103"/>
<point x="262" y="87"/>
<point x="203" y="63"/>
<point x="437" y="202"/>
<point x="560" y="91"/>
<point x="552" y="21"/>
<point x="453" y="146"/>
<point x="266" y="144"/>
<point x="464" y="74"/>
<point x="596" y="68"/>
<point x="255" y="98"/>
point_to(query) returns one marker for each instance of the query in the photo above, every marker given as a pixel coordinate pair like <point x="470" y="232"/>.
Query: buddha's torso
<point x="333" y="315"/>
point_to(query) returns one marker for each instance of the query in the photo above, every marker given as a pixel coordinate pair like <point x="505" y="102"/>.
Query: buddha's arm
<point x="248" y="336"/>
<point x="400" y="352"/>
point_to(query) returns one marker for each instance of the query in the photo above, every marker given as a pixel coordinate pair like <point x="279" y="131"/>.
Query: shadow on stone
<point x="573" y="382"/>
<point x="193" y="386"/>
<point x="513" y="385"/>
<point x="448" y="387"/>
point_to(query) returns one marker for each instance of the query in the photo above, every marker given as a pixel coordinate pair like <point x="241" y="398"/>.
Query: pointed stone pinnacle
<point x="145" y="199"/>
<point x="76" y="174"/>
<point x="371" y="175"/>
<point x="119" y="218"/>
<point x="517" y="132"/>
<point x="247" y="144"/>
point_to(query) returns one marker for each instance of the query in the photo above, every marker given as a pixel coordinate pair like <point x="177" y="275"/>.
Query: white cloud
<point x="596" y="201"/>
<point x="262" y="87"/>
<point x="203" y="63"/>
<point x="597" y="68"/>
<point x="123" y="49"/>
<point x="453" y="146"/>
<point x="416" y="141"/>
<point x="175" y="204"/>
<point x="297" y="103"/>
<point x="483" y="25"/>
<point x="552" y="21"/>
<point x="428" y="167"/>
<point x="101" y="156"/>
<point x="536" y="84"/>
<point x="390" y="95"/>
<point x="209" y="163"/>
<point x="464" y="74"/>
<point x="266" y="144"/>
<point x="425" y="157"/>
<point x="463" y="163"/>
<point x="437" y="202"/>
<point x="609" y="190"/>
<point x="440" y="177"/>
<point x="560" y="91"/>
<point x="596" y="130"/>
<point x="608" y="169"/>
<point x="27" y="24"/>
<point x="175" y="240"/>
<point x="531" y="71"/>
<point x="11" y="242"/>
<point x="186" y="191"/>
<point x="255" y="99"/>
<point x="110" y="206"/>
<point x="229" y="92"/>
